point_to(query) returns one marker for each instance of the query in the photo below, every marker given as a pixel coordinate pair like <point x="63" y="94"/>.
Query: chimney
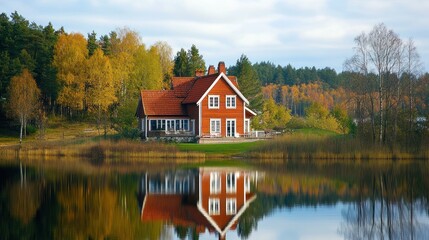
<point x="211" y="70"/>
<point x="199" y="72"/>
<point x="221" y="68"/>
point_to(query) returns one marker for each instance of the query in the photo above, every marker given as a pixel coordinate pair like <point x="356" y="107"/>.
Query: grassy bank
<point x="319" y="144"/>
<point x="101" y="151"/>
<point x="220" y="150"/>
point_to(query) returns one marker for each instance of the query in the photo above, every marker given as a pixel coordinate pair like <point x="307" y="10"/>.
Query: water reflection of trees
<point x="58" y="205"/>
<point x="385" y="200"/>
<point x="391" y="211"/>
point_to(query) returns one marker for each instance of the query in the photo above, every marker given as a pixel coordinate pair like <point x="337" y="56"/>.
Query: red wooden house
<point x="211" y="199"/>
<point x="202" y="106"/>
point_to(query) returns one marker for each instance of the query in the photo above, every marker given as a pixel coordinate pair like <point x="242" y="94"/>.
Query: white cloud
<point x="303" y="32"/>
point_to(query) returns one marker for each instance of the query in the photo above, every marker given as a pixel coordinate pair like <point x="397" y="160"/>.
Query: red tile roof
<point x="163" y="102"/>
<point x="200" y="86"/>
<point x="169" y="102"/>
<point x="171" y="208"/>
<point x="182" y="85"/>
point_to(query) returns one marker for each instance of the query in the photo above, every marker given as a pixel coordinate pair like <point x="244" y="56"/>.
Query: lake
<point x="290" y="200"/>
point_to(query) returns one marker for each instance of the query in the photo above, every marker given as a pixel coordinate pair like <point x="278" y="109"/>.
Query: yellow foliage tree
<point x="100" y="91"/>
<point x="124" y="48"/>
<point x="23" y="99"/>
<point x="165" y="53"/>
<point x="70" y="55"/>
<point x="147" y="73"/>
<point x="274" y="115"/>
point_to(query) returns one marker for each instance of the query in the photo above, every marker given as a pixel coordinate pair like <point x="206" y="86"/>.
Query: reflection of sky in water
<point x="308" y="223"/>
<point x="321" y="222"/>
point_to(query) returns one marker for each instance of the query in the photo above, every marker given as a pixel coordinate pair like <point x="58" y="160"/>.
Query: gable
<point x="203" y="85"/>
<point x="223" y="77"/>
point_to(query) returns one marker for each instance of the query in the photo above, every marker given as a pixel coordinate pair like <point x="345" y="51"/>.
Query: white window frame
<point x="215" y="183"/>
<point x="247" y="183"/>
<point x="230" y="97"/>
<point x="218" y="128"/>
<point x="213" y="106"/>
<point x="231" y="206"/>
<point x="232" y="134"/>
<point x="231" y="186"/>
<point x="214" y="206"/>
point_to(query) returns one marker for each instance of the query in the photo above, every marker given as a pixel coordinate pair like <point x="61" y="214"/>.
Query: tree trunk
<point x="25" y="127"/>
<point x="380" y="92"/>
<point x="20" y="132"/>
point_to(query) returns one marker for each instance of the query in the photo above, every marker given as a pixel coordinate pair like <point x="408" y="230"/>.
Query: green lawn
<point x="223" y="148"/>
<point x="315" y="131"/>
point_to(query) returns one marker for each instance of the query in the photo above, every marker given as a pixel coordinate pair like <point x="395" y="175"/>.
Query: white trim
<point x="213" y="97"/>
<point x="145" y="126"/>
<point x="233" y="220"/>
<point x="207" y="216"/>
<point x="231" y="97"/>
<point x="229" y="83"/>
<point x="199" y="119"/>
<point x="246" y="124"/>
<point x="244" y="117"/>
<point x="238" y="215"/>
<point x="252" y="112"/>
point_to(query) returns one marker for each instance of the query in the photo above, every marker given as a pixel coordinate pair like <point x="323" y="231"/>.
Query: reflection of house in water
<point x="210" y="199"/>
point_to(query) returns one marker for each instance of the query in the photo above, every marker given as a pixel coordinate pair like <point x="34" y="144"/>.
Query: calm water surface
<point x="312" y="200"/>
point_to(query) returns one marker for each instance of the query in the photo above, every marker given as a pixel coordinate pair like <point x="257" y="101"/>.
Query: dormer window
<point x="214" y="101"/>
<point x="230" y="101"/>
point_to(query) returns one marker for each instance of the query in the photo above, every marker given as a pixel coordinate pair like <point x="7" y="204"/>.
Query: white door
<point x="230" y="127"/>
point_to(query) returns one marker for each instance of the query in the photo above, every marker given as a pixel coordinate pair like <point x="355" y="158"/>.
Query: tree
<point x="100" y="92"/>
<point x="185" y="63"/>
<point x="106" y="45"/>
<point x="23" y="99"/>
<point x="195" y="61"/>
<point x="180" y="64"/>
<point x="70" y="57"/>
<point x="92" y="43"/>
<point x="124" y="47"/>
<point x="147" y="73"/>
<point x="379" y="50"/>
<point x="274" y="116"/>
<point x="165" y="53"/>
<point x="248" y="82"/>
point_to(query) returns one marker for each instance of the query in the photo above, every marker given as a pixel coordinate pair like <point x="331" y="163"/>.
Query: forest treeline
<point x="381" y="95"/>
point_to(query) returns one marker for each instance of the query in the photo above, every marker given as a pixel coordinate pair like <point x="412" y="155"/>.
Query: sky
<point x="302" y="33"/>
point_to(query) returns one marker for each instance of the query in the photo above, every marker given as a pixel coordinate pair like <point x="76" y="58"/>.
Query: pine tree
<point x="248" y="82"/>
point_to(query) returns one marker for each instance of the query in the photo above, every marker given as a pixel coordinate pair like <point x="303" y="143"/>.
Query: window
<point x="169" y="124"/>
<point x="214" y="206"/>
<point x="247" y="183"/>
<point x="152" y="125"/>
<point x="213" y="101"/>
<point x="214" y="126"/>
<point x="231" y="183"/>
<point x="231" y="206"/>
<point x="182" y="125"/>
<point x="215" y="182"/>
<point x="230" y="101"/>
<point x="157" y="125"/>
